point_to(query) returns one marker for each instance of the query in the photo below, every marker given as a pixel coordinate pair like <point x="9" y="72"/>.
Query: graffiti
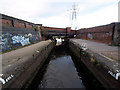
<point x="36" y="38"/>
<point x="3" y="41"/>
<point x="20" y="39"/>
<point x="4" y="81"/>
<point x="37" y="51"/>
<point x="84" y="46"/>
<point x="90" y="36"/>
<point x="116" y="76"/>
<point x="112" y="74"/>
<point x="13" y="40"/>
<point x="109" y="34"/>
<point x="28" y="35"/>
<point x="4" y="35"/>
<point x="4" y="38"/>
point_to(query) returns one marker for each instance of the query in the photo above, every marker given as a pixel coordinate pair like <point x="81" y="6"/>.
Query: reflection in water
<point x="61" y="72"/>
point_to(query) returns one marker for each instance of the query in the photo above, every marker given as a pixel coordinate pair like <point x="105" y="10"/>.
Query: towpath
<point x="110" y="53"/>
<point x="16" y="61"/>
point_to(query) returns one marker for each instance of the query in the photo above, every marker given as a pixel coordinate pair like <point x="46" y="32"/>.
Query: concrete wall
<point x="16" y="33"/>
<point x="103" y="34"/>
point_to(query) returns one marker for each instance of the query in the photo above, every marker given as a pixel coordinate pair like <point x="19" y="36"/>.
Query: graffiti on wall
<point x="28" y="35"/>
<point x="10" y="40"/>
<point x="4" y="81"/>
<point x="90" y="36"/>
<point x="7" y="38"/>
<point x="4" y="40"/>
<point x="20" y="39"/>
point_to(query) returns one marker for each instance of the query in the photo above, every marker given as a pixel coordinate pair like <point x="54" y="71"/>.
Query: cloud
<point x="104" y="16"/>
<point x="23" y="9"/>
<point x="60" y="21"/>
<point x="54" y="12"/>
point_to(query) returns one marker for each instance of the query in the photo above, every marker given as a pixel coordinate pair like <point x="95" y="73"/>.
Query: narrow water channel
<point x="62" y="71"/>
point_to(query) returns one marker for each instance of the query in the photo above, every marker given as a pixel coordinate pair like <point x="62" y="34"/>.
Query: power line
<point x="74" y="17"/>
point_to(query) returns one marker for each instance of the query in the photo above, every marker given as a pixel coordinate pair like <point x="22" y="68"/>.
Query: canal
<point x="62" y="70"/>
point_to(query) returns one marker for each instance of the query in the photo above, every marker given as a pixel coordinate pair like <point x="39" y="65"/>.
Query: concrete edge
<point x="20" y="80"/>
<point x="91" y="62"/>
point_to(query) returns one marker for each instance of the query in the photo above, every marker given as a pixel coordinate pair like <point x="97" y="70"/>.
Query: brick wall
<point x="116" y="35"/>
<point x="16" y="23"/>
<point x="103" y="34"/>
<point x="28" y="25"/>
<point x="106" y="34"/>
<point x="6" y="22"/>
<point x="68" y="29"/>
<point x="15" y="33"/>
<point x="54" y="29"/>
<point x="19" y="24"/>
<point x="73" y="31"/>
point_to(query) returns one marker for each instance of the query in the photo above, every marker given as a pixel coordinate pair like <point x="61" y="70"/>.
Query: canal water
<point x="62" y="71"/>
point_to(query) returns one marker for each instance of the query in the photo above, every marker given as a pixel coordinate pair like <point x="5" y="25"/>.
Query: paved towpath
<point x="16" y="61"/>
<point x="10" y="58"/>
<point x="103" y="49"/>
<point x="111" y="53"/>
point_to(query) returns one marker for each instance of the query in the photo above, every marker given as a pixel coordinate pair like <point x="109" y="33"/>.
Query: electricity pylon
<point x="73" y="18"/>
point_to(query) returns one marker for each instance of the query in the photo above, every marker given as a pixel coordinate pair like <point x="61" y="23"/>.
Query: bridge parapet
<point x="53" y="31"/>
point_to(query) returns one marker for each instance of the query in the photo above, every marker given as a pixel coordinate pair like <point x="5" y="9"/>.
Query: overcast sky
<point x="56" y="13"/>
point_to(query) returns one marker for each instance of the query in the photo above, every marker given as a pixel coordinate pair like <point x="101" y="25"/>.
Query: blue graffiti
<point x="90" y="36"/>
<point x="20" y="39"/>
